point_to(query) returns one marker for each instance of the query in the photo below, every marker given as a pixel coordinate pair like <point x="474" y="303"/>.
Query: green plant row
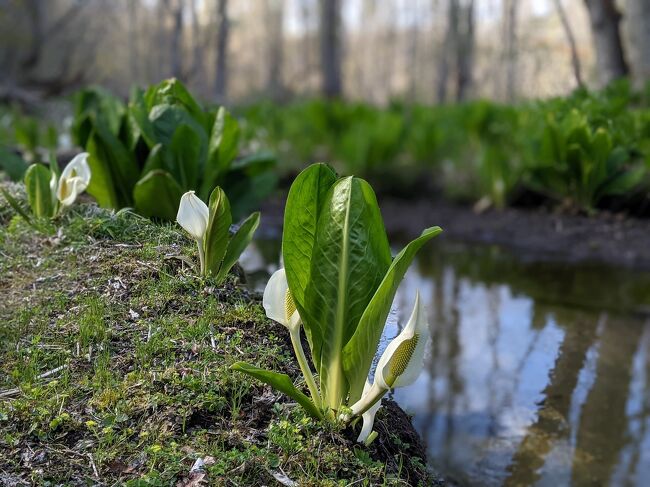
<point x="584" y="149"/>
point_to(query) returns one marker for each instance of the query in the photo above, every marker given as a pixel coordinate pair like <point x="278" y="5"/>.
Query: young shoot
<point x="48" y="192"/>
<point x="209" y="226"/>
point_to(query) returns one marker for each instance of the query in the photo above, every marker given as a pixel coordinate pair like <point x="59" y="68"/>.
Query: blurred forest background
<point x="234" y="51"/>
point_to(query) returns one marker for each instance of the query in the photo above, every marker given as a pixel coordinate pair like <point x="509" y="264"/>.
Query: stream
<point x="538" y="374"/>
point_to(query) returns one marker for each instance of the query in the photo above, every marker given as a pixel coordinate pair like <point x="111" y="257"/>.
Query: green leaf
<point x="166" y="119"/>
<point x="157" y="195"/>
<point x="173" y="92"/>
<point x="101" y="186"/>
<point x="12" y="164"/>
<point x="304" y="202"/>
<point x="361" y="348"/>
<point x="349" y="260"/>
<point x="282" y="383"/>
<point x="157" y="159"/>
<point x="118" y="162"/>
<point x="185" y="152"/>
<point x="222" y="149"/>
<point x="39" y="194"/>
<point x="139" y="122"/>
<point x="218" y="232"/>
<point x="238" y="243"/>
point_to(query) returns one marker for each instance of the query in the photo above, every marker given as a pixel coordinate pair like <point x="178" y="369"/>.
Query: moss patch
<point x="114" y="368"/>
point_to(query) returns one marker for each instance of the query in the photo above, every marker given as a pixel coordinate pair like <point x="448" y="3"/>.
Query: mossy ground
<point x="114" y="369"/>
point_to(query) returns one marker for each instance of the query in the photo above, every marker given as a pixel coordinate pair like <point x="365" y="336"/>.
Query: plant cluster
<point x="475" y="150"/>
<point x="148" y="153"/>
<point x="24" y="139"/>
<point x="49" y="190"/>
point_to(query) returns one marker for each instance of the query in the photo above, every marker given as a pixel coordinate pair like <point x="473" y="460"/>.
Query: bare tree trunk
<point x="196" y="71"/>
<point x="638" y="26"/>
<point x="274" y="10"/>
<point x="223" y="27"/>
<point x="176" y="47"/>
<point x="449" y="47"/>
<point x="133" y="44"/>
<point x="37" y="34"/>
<point x="510" y="12"/>
<point x="412" y="55"/>
<point x="604" y="19"/>
<point x="330" y="47"/>
<point x="575" y="59"/>
<point x="465" y="54"/>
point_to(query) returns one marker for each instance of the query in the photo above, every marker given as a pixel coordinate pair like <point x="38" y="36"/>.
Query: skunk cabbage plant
<point x="49" y="192"/>
<point x="146" y="154"/>
<point x="341" y="281"/>
<point x="209" y="226"/>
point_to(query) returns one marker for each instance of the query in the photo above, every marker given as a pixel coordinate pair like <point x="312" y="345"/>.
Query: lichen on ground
<point x="114" y="369"/>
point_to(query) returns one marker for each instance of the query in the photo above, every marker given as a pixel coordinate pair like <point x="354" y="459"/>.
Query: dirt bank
<point x="115" y="367"/>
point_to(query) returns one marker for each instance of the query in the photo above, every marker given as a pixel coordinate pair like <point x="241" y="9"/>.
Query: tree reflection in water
<point x="538" y="374"/>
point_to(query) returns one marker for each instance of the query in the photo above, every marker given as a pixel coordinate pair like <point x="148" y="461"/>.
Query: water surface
<point x="538" y="374"/>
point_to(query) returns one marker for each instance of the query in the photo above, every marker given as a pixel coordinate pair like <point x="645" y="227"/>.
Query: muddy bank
<point x="532" y="234"/>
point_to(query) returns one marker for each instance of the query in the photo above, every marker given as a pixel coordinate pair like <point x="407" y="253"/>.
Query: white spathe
<point x="406" y="352"/>
<point x="73" y="180"/>
<point x="368" y="417"/>
<point x="193" y="215"/>
<point x="401" y="362"/>
<point x="275" y="301"/>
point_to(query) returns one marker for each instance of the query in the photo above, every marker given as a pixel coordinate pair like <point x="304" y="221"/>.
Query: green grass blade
<point x="17" y="207"/>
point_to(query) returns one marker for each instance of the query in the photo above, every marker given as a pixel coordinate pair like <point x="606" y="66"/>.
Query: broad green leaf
<point x="39" y="194"/>
<point x="157" y="195"/>
<point x="117" y="161"/>
<point x="173" y="92"/>
<point x="282" y="383"/>
<point x="102" y="186"/>
<point x="156" y="160"/>
<point x="185" y="154"/>
<point x="623" y="182"/>
<point x="349" y="260"/>
<point x="140" y="124"/>
<point x="222" y="149"/>
<point x="12" y="164"/>
<point x="94" y="106"/>
<point x="218" y="232"/>
<point x="166" y="119"/>
<point x="302" y="208"/>
<point x="238" y="243"/>
<point x="361" y="348"/>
